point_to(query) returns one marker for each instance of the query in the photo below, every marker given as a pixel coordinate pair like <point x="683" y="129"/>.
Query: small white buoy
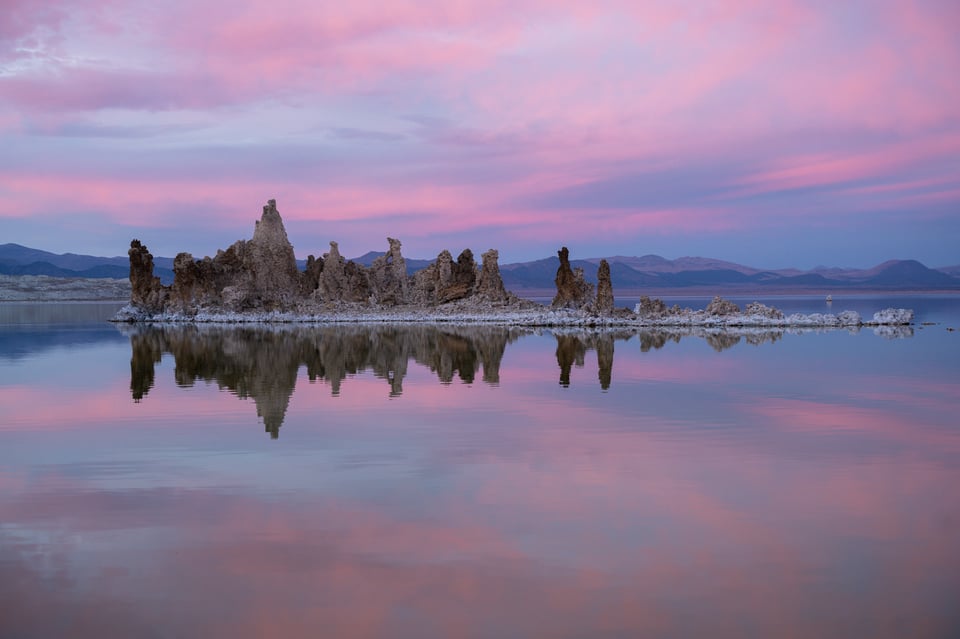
<point x="829" y="299"/>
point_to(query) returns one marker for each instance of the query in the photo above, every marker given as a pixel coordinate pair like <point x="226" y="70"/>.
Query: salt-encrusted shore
<point x="532" y="315"/>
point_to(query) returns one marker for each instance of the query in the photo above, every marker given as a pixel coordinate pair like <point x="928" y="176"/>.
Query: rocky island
<point x="258" y="280"/>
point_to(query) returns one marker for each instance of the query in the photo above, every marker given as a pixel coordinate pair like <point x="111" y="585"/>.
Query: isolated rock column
<point x="573" y="291"/>
<point x="388" y="276"/>
<point x="604" y="303"/>
<point x="331" y="282"/>
<point x="271" y="259"/>
<point x="490" y="284"/>
<point x="146" y="291"/>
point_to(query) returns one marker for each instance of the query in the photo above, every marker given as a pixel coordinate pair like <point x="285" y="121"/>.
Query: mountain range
<point x="22" y="260"/>
<point x="647" y="272"/>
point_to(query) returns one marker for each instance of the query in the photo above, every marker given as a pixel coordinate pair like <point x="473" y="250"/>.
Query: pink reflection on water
<point x="572" y="520"/>
<point x="105" y="407"/>
<point x="881" y="423"/>
<point x="60" y="408"/>
<point x="674" y="550"/>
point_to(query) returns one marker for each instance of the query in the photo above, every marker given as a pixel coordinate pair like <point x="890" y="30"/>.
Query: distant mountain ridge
<point x="627" y="272"/>
<point x="656" y="272"/>
<point x="16" y="259"/>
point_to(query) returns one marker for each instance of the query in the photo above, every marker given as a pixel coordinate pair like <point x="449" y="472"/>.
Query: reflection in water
<point x="261" y="363"/>
<point x="572" y="349"/>
<point x="573" y="345"/>
<point x="718" y="339"/>
<point x="801" y="488"/>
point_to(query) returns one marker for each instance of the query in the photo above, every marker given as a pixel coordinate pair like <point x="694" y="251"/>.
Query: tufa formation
<point x="261" y="274"/>
<point x="255" y="278"/>
<point x="604" y="302"/>
<point x="573" y="290"/>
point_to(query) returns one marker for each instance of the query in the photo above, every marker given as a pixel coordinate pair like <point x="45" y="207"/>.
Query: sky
<point x="774" y="134"/>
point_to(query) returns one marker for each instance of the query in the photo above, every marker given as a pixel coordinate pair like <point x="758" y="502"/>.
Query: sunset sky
<point x="769" y="133"/>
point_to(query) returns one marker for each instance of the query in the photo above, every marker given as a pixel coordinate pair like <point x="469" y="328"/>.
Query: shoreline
<point x="528" y="317"/>
<point x="753" y="334"/>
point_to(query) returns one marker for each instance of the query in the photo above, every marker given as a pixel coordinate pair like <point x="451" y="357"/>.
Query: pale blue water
<point x="422" y="482"/>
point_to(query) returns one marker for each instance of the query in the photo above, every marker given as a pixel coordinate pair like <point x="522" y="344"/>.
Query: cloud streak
<point x="636" y="128"/>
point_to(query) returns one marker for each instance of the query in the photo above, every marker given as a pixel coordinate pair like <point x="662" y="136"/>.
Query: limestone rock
<point x="261" y="274"/>
<point x="604" y="302"/>
<point x="650" y="307"/>
<point x="756" y="308"/>
<point x="573" y="291"/>
<point x="852" y="318"/>
<point x="186" y="279"/>
<point x="462" y="279"/>
<point x="490" y="285"/>
<point x="271" y="261"/>
<point x="426" y="281"/>
<point x="356" y="284"/>
<point x="720" y="306"/>
<point x="388" y="277"/>
<point x="310" y="278"/>
<point x="146" y="290"/>
<point x="897" y="316"/>
<point x="224" y="280"/>
<point x="342" y="281"/>
<point x="445" y="280"/>
<point x="332" y="278"/>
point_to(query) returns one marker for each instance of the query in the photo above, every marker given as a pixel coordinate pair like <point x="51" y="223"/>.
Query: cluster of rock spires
<point x="261" y="274"/>
<point x="574" y="292"/>
<point x="258" y="280"/>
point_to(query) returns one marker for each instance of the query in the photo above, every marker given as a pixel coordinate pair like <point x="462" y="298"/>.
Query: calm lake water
<point x="451" y="482"/>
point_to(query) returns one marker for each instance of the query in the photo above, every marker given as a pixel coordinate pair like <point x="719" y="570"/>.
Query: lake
<point x="420" y="481"/>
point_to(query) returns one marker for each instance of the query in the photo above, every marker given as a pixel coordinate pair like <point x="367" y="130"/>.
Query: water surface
<point x="444" y="481"/>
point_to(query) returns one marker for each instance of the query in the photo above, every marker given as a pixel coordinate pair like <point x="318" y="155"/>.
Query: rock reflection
<point x="261" y="363"/>
<point x="893" y="332"/>
<point x="145" y="355"/>
<point x="656" y="339"/>
<point x="720" y="339"/>
<point x="573" y="345"/>
<point x="572" y="349"/>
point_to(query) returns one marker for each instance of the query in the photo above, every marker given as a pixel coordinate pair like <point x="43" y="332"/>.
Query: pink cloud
<point x="476" y="109"/>
<point x="88" y="89"/>
<point x="827" y="169"/>
<point x="24" y="25"/>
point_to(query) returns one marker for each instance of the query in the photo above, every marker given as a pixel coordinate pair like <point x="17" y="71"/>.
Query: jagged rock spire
<point x="573" y="290"/>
